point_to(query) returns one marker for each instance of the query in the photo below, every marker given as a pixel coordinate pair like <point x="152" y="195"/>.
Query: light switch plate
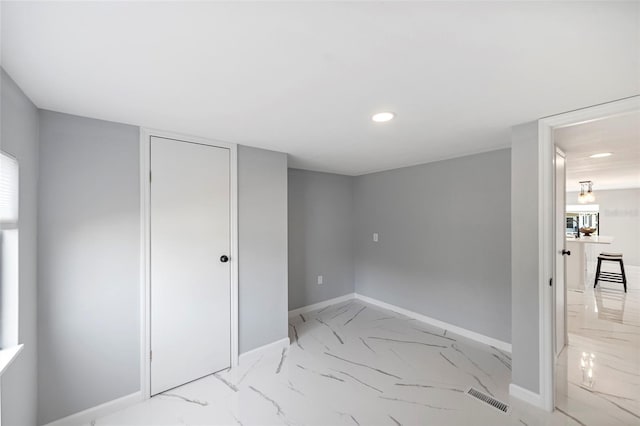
<point x="319" y="279"/>
<point x="375" y="237"/>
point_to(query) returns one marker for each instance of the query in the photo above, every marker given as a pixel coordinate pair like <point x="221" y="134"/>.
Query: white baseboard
<point x="525" y="395"/>
<point x="93" y="413"/>
<point x="504" y="346"/>
<point x="250" y="356"/>
<point x="101" y="410"/>
<point x="321" y="305"/>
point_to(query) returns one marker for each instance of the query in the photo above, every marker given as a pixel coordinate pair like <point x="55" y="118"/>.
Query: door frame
<point x="546" y="225"/>
<point x="145" y="246"/>
<point x="558" y="351"/>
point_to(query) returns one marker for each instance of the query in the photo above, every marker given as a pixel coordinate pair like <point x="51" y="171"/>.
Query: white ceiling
<point x="304" y="77"/>
<point x="619" y="135"/>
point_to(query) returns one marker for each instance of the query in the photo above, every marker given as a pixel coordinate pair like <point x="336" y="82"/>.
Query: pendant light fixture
<point x="586" y="192"/>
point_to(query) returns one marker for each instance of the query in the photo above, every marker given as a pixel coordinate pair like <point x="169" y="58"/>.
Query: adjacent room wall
<point x="620" y="219"/>
<point x="525" y="277"/>
<point x="19" y="137"/>
<point x="88" y="263"/>
<point x="262" y="217"/>
<point x="320" y="236"/>
<point x="444" y="247"/>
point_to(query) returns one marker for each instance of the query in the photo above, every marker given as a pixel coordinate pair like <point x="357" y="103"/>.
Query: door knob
<point x="224" y="258"/>
<point x="566" y="252"/>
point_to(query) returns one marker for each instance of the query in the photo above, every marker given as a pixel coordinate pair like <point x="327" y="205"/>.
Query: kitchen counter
<point x="579" y="259"/>
<point x="594" y="239"/>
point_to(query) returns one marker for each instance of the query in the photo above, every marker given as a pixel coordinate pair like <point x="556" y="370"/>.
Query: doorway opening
<point x="592" y="342"/>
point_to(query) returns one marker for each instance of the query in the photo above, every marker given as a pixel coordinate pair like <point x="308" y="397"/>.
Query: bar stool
<point x="612" y="277"/>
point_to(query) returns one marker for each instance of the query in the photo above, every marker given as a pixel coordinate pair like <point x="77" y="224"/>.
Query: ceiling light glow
<point x="601" y="155"/>
<point x="381" y="117"/>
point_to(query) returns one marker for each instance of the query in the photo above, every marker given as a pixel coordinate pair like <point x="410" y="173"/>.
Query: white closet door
<point x="190" y="283"/>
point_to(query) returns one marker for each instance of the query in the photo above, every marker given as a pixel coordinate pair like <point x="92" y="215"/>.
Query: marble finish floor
<point x="350" y="364"/>
<point x="598" y="374"/>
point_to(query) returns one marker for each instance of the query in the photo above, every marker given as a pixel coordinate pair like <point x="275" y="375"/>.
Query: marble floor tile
<point x="598" y="373"/>
<point x="357" y="364"/>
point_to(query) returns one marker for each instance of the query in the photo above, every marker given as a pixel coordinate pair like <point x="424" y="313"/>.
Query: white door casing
<point x="546" y="240"/>
<point x="146" y="136"/>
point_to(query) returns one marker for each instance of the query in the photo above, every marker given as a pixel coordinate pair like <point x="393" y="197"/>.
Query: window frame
<point x="10" y="275"/>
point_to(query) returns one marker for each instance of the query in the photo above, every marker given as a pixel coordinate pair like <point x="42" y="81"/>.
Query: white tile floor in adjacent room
<point x="350" y="364"/>
<point x="599" y="372"/>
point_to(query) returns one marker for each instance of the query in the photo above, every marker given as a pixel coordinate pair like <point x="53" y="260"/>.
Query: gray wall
<point x="19" y="137"/>
<point x="88" y="264"/>
<point x="444" y="240"/>
<point x="524" y="257"/>
<point x="262" y="228"/>
<point x="89" y="260"/>
<point x="320" y="236"/>
<point x="620" y="219"/>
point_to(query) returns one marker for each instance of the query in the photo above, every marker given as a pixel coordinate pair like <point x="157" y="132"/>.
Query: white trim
<point x="504" y="346"/>
<point x="546" y="173"/>
<point x="7" y="356"/>
<point x="254" y="354"/>
<point x="320" y="305"/>
<point x="90" y="414"/>
<point x="525" y="395"/>
<point x="145" y="232"/>
<point x="145" y="333"/>
<point x="235" y="307"/>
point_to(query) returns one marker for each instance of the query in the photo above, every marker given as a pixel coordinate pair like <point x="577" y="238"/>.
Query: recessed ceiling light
<point x="381" y="117"/>
<point x="601" y="155"/>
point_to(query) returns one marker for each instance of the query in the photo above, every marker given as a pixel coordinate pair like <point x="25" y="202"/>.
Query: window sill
<point x="7" y="356"/>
